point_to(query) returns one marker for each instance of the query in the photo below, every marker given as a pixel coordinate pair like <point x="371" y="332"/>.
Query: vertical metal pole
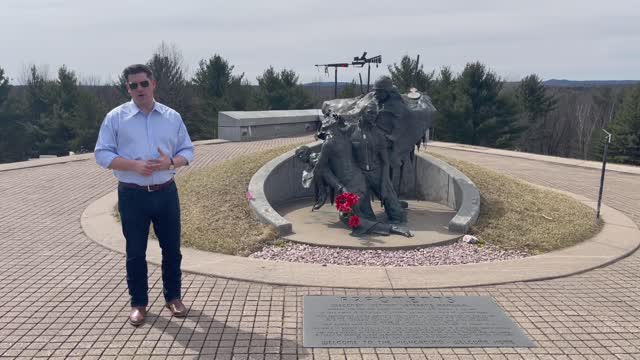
<point x="361" y="88"/>
<point x="335" y="83"/>
<point x="368" y="76"/>
<point x="415" y="174"/>
<point x="604" y="165"/>
<point x="417" y="70"/>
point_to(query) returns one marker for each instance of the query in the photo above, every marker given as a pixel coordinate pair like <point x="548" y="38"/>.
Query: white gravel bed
<point x="453" y="254"/>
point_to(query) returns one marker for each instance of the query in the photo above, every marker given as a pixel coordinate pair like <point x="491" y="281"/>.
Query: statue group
<point x="367" y="142"/>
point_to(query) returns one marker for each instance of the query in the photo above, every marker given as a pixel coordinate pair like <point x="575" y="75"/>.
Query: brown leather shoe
<point x="136" y="317"/>
<point x="177" y="308"/>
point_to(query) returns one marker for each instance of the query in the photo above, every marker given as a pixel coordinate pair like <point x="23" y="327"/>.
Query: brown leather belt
<point x="149" y="188"/>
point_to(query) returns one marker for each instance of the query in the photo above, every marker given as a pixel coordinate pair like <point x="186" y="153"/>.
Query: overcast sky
<point x="562" y="39"/>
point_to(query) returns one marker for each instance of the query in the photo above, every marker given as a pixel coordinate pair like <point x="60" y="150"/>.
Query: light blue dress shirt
<point x="127" y="132"/>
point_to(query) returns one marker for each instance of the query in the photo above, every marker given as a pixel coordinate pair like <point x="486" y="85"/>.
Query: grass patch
<point x="517" y="216"/>
<point x="215" y="214"/>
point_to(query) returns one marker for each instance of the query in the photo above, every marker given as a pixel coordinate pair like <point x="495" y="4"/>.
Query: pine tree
<point x="214" y="77"/>
<point x="535" y="105"/>
<point x="448" y="125"/>
<point x="625" y="146"/>
<point x="489" y="116"/>
<point x="85" y="121"/>
<point x="40" y="100"/>
<point x="15" y="144"/>
<point x="219" y="89"/>
<point x="281" y="91"/>
<point x="68" y="91"/>
<point x="40" y="93"/>
<point x="174" y="91"/>
<point x="4" y="87"/>
<point x="533" y="99"/>
<point x="408" y="75"/>
<point x="55" y="125"/>
<point x="167" y="67"/>
<point x="18" y="146"/>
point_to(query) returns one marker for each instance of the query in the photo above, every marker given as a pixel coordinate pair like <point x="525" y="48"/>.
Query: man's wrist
<point x="180" y="161"/>
<point x="172" y="165"/>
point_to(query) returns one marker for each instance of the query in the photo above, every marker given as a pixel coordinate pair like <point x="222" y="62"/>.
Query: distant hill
<point x="589" y="83"/>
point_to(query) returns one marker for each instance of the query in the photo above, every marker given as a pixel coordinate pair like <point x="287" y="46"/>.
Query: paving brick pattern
<point x="63" y="296"/>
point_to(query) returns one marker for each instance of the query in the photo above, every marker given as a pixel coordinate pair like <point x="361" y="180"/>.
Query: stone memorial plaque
<point x="408" y="321"/>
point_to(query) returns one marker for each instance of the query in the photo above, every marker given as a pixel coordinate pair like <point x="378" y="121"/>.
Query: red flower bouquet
<point x="345" y="203"/>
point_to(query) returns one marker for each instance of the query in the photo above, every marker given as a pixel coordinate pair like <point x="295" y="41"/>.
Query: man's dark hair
<point x="137" y="69"/>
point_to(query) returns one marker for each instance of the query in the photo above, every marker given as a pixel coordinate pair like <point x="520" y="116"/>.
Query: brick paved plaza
<point x="64" y="296"/>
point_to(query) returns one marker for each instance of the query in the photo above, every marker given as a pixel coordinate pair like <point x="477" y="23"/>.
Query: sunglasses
<point x="134" y="86"/>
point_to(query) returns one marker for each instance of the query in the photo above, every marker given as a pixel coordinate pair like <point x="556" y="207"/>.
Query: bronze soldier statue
<point x="337" y="167"/>
<point x="371" y="153"/>
<point x="392" y="111"/>
<point x="369" y="143"/>
<point x="404" y="121"/>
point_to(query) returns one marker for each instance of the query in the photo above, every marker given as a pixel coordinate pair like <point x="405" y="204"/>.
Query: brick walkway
<point x="63" y="296"/>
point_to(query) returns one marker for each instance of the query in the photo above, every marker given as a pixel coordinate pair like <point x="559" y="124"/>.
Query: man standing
<point x="143" y="142"/>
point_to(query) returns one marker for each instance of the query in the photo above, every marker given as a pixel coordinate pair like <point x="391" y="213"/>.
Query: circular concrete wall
<point x="279" y="182"/>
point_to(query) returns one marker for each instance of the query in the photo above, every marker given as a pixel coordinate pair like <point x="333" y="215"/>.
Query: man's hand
<point x="161" y="163"/>
<point x="143" y="168"/>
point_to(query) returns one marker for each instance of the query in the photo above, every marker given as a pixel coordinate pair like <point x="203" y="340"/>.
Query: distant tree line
<point x="62" y="115"/>
<point x="56" y="116"/>
<point x="477" y="107"/>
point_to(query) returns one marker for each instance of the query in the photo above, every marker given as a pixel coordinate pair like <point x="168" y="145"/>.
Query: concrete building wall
<point x="258" y="125"/>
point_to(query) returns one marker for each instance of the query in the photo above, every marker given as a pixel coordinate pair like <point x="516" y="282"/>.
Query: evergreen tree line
<point x="62" y="115"/>
<point x="477" y="107"/>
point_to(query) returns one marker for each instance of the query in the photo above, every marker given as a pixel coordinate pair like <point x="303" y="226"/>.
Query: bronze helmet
<point x="383" y="83"/>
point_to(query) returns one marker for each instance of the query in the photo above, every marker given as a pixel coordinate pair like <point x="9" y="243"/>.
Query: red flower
<point x="354" y="221"/>
<point x="346" y="201"/>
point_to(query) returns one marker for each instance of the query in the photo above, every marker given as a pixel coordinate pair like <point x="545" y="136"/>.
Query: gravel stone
<point x="453" y="254"/>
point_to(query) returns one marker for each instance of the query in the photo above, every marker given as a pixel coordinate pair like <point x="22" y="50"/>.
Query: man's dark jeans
<point x="138" y="209"/>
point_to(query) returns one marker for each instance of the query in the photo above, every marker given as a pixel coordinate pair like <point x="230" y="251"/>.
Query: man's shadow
<point x="208" y="337"/>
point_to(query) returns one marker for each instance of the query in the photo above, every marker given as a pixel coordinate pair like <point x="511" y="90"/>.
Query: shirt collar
<point x="134" y="109"/>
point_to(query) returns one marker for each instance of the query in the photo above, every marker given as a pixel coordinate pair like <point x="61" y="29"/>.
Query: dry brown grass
<point x="215" y="213"/>
<point x="515" y="215"/>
